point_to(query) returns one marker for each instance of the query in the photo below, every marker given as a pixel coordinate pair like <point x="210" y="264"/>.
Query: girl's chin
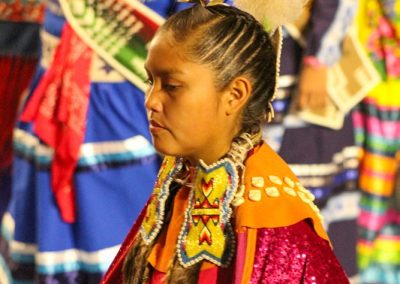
<point x="169" y="151"/>
<point x="164" y="150"/>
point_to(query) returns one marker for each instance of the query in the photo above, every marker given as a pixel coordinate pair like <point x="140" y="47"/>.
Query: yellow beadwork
<point x="207" y="232"/>
<point x="289" y="181"/>
<point x="303" y="197"/>
<point x="155" y="210"/>
<point x="272" y="191"/>
<point x="257" y="182"/>
<point x="289" y="191"/>
<point x="255" y="195"/>
<point x="218" y="180"/>
<point x="204" y="3"/>
<point x="276" y="180"/>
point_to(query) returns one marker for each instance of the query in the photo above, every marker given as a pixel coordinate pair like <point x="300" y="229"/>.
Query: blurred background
<point x="76" y="160"/>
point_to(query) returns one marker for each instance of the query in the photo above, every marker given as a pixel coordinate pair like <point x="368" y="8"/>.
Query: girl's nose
<point x="152" y="101"/>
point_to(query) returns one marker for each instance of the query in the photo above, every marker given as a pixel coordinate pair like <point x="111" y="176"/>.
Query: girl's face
<point x="187" y="114"/>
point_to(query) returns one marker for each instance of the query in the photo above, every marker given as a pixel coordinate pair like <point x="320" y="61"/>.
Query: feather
<point x="272" y="13"/>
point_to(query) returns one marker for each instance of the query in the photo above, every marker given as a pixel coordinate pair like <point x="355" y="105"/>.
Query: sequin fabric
<point x="295" y="254"/>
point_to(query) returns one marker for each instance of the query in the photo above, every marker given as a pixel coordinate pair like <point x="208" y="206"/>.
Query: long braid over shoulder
<point x="233" y="43"/>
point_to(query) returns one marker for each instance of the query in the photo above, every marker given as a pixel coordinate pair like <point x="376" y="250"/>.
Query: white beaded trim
<point x="306" y="191"/>
<point x="238" y="201"/>
<point x="307" y="197"/>
<point x="162" y="197"/>
<point x="238" y="154"/>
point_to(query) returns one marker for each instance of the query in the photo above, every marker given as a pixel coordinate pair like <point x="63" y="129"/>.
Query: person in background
<point x="19" y="52"/>
<point x="84" y="164"/>
<point x="324" y="159"/>
<point x="377" y="125"/>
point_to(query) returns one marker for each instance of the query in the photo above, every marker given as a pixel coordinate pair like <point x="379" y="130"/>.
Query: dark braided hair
<point x="233" y="43"/>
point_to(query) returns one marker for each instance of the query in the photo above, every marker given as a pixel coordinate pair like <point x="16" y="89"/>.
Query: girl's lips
<point x="155" y="126"/>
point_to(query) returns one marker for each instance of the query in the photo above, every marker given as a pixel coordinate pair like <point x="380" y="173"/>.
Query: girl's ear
<point x="237" y="95"/>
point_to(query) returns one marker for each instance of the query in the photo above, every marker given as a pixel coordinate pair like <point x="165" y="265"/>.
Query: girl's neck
<point x="210" y="155"/>
<point x="237" y="150"/>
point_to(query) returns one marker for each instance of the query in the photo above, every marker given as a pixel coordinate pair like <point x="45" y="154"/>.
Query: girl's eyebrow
<point x="165" y="72"/>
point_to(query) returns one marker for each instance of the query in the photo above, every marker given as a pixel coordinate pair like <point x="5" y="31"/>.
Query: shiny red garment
<point x="292" y="254"/>
<point x="295" y="254"/>
<point x="15" y="75"/>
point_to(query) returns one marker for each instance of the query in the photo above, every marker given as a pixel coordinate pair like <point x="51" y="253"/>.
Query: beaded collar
<point x="206" y="233"/>
<point x="154" y="218"/>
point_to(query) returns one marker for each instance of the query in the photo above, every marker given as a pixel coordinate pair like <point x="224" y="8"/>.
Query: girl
<point x="225" y="208"/>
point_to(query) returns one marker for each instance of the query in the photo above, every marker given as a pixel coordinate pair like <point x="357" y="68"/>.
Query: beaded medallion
<point x="207" y="233"/>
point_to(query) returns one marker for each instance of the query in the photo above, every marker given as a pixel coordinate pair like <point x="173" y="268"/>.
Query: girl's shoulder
<point x="273" y="196"/>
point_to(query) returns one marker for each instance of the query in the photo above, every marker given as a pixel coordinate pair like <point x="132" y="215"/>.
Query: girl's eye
<point x="149" y="82"/>
<point x="170" y="87"/>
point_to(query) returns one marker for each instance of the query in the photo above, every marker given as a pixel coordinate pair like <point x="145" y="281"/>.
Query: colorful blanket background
<point x="377" y="123"/>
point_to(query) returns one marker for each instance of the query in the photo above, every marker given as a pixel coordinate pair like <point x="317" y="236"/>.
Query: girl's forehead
<point x="169" y="39"/>
<point x="164" y="36"/>
<point x="166" y="49"/>
<point x="160" y="47"/>
<point x="164" y="59"/>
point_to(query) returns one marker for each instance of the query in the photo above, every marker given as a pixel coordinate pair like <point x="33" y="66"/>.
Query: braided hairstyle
<point x="233" y="43"/>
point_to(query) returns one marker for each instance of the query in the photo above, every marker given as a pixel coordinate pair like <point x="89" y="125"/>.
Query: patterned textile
<point x="133" y="27"/>
<point x="325" y="160"/>
<point x="58" y="109"/>
<point x="377" y="123"/>
<point x="59" y="104"/>
<point x="21" y="10"/>
<point x="115" y="171"/>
